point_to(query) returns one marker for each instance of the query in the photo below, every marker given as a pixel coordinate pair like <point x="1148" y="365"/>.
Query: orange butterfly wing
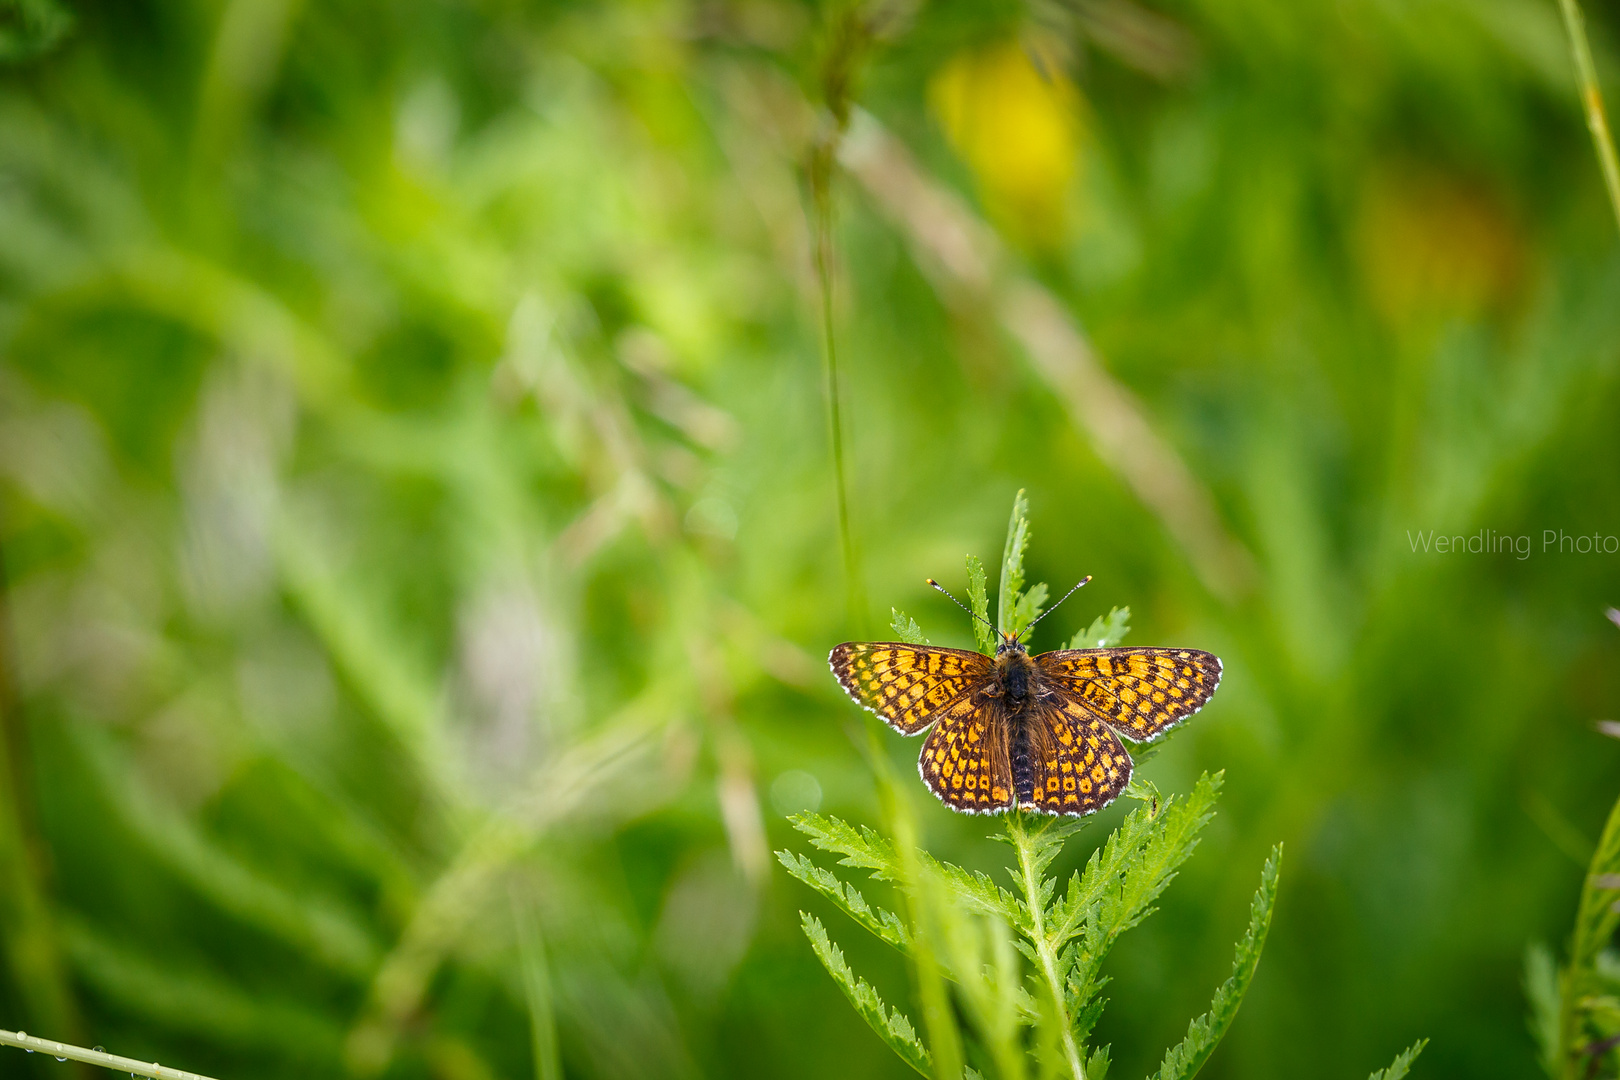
<point x="1137" y="692"/>
<point x="965" y="760"/>
<point x="906" y="685"/>
<point x="1079" y="766"/>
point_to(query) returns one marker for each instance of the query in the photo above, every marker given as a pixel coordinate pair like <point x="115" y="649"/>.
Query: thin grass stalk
<point x="69" y="1052"/>
<point x="1592" y="101"/>
<point x="821" y="197"/>
<point x="849" y="37"/>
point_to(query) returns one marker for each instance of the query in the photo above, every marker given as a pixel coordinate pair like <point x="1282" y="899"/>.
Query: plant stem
<point x="1043" y="947"/>
<point x="95" y="1057"/>
<point x="1592" y="100"/>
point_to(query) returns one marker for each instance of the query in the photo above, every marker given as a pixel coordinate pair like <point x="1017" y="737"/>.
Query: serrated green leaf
<point x="1044" y="835"/>
<point x="1100" y="874"/>
<point x="979" y="599"/>
<point x="1402" y="1063"/>
<point x="890" y="1025"/>
<point x="861" y="847"/>
<point x="1595" y="922"/>
<point x="1116" y="892"/>
<point x="884" y="924"/>
<point x="1012" y="565"/>
<point x="1205" y="1033"/>
<point x="1029" y="606"/>
<point x="906" y="628"/>
<point x="1105" y="631"/>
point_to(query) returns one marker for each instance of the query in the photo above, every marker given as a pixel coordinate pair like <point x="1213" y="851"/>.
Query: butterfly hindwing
<point x="1078" y="765"/>
<point x="907" y="685"/>
<point x="965" y="758"/>
<point x="1138" y="692"/>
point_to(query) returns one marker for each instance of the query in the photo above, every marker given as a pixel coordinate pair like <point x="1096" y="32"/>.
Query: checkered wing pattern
<point x="1079" y="765"/>
<point x="965" y="758"/>
<point x="1137" y="692"/>
<point x="907" y="685"/>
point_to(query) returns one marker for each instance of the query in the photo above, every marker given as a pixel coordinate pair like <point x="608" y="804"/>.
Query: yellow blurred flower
<point x="1018" y="128"/>
<point x="1434" y="247"/>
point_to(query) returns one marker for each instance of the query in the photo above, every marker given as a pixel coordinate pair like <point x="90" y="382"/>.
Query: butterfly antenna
<point x="961" y="605"/>
<point x="1054" y="607"/>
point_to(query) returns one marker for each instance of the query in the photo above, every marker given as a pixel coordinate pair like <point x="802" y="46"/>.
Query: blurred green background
<point x="419" y="528"/>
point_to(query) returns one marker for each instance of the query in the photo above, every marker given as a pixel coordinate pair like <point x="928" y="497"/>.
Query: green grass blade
<point x="1402" y="1063"/>
<point x="1205" y="1033"/>
<point x="537" y="990"/>
<point x="889" y="1025"/>
<point x="1597" y="121"/>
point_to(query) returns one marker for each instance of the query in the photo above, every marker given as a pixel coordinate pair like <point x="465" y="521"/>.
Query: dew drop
<point x="61" y="1059"/>
<point x="99" y="1049"/>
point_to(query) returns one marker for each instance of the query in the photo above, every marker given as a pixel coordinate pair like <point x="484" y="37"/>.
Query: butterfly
<point x="1034" y="732"/>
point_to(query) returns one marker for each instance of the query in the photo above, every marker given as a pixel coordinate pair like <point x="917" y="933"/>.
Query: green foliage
<point x="890" y="1026"/>
<point x="415" y="490"/>
<point x="31" y="27"/>
<point x="1402" y="1063"/>
<point x="1011" y="594"/>
<point x="974" y="930"/>
<point x="1063" y="938"/>
<point x="1575" y="1010"/>
<point x="978" y="928"/>
<point x="1541" y="991"/>
<point x="1203" y="1034"/>
<point x="906" y="628"/>
<point x="885" y="924"/>
<point x="984" y="634"/>
<point x="1105" y="631"/>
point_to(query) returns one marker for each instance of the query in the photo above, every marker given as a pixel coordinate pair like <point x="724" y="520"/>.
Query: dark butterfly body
<point x="1038" y="732"/>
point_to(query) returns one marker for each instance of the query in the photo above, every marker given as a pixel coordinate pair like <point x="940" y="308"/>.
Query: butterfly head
<point x="1009" y="644"/>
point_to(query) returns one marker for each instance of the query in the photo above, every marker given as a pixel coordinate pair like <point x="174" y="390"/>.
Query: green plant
<point x="1575" y="1010"/>
<point x="1034" y="1015"/>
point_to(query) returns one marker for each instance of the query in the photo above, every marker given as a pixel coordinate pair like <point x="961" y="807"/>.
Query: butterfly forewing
<point x="1139" y="692"/>
<point x="907" y="685"/>
<point x="965" y="758"/>
<point x="1079" y="765"/>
